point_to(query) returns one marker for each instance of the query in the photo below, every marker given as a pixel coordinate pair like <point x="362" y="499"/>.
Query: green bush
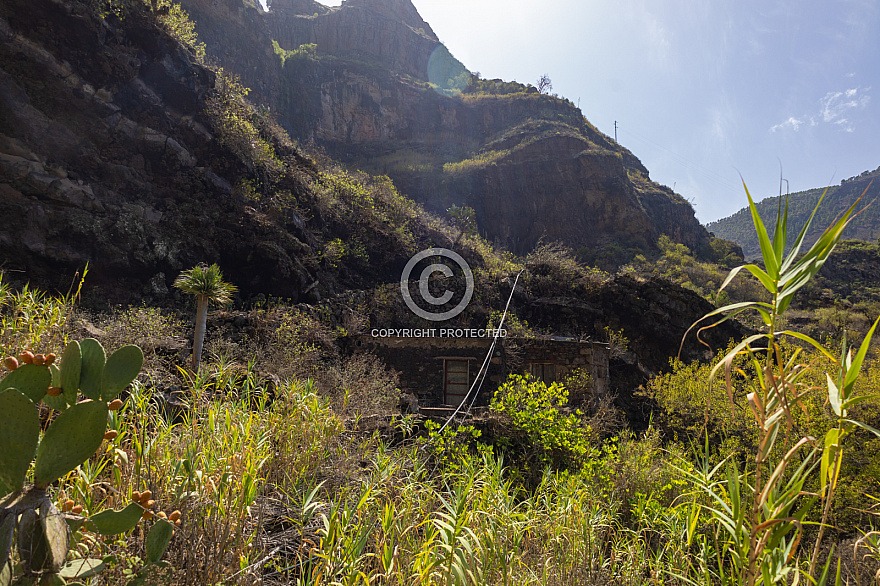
<point x="553" y="437"/>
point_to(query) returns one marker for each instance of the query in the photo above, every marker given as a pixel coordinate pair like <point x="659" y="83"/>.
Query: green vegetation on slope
<point x="738" y="227"/>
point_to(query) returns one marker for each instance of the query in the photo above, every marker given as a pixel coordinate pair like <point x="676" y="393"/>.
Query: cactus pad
<point x="71" y="365"/>
<point x="7" y="526"/>
<point x="111" y="522"/>
<point x="31" y="541"/>
<point x="58" y="403"/>
<point x="43" y="540"/>
<point x="30" y="379"/>
<point x="80" y="569"/>
<point x="55" y="533"/>
<point x="19" y="434"/>
<point x="70" y="440"/>
<point x="122" y="368"/>
<point x="158" y="539"/>
<point x="92" y="372"/>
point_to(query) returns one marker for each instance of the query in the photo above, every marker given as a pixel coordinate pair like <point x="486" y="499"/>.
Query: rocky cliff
<point x="107" y="157"/>
<point x="370" y="82"/>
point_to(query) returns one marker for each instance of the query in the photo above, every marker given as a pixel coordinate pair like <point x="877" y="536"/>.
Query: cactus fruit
<point x="71" y="439"/>
<point x="39" y="359"/>
<point x="68" y="505"/>
<point x="30" y="379"/>
<point x="50" y="358"/>
<point x="19" y="435"/>
<point x="77" y="509"/>
<point x="111" y="435"/>
<point x="174" y="516"/>
<point x="114" y="405"/>
<point x="122" y="367"/>
<point x="145" y="496"/>
<point x="11" y="363"/>
<point x="92" y="371"/>
<point x="26" y="357"/>
<point x="53" y="391"/>
<point x="136" y="496"/>
<point x="111" y="522"/>
<point x="71" y="366"/>
<point x="58" y="403"/>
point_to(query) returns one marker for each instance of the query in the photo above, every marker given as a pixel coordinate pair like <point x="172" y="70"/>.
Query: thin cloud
<point x="834" y="108"/>
<point x="792" y="123"/>
<point x="836" y="105"/>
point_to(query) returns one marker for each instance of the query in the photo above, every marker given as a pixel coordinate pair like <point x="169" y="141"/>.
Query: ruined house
<point x="440" y="370"/>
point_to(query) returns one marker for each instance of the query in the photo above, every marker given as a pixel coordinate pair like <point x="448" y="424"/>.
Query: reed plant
<point x="761" y="511"/>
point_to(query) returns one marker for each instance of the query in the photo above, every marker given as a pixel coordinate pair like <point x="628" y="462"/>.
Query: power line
<point x="484" y="369"/>
<point x="715" y="178"/>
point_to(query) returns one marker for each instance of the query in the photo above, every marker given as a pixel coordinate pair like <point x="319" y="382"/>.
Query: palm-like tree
<point x="207" y="284"/>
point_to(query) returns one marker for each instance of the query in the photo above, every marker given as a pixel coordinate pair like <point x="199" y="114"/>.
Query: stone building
<point x="439" y="371"/>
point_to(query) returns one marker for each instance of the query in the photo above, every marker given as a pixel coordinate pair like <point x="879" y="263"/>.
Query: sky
<point x="706" y="93"/>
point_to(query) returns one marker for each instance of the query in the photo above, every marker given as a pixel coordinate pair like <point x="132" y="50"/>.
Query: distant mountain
<point x="370" y="83"/>
<point x="866" y="226"/>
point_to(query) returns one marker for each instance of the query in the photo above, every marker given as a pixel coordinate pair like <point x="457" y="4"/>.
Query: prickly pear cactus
<point x="19" y="434"/>
<point x="79" y="389"/>
<point x="75" y="435"/>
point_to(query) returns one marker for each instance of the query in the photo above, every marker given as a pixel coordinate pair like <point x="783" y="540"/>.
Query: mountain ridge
<point x="835" y="199"/>
<point x="381" y="95"/>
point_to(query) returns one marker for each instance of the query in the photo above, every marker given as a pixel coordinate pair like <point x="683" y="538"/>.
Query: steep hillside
<point x="370" y="82"/>
<point x="866" y="226"/>
<point x="121" y="149"/>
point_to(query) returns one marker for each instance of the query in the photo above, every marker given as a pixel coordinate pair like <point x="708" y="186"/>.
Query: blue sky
<point x="702" y="90"/>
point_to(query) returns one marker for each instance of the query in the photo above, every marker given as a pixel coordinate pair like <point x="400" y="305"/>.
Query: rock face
<point x="381" y="93"/>
<point x="653" y="315"/>
<point x="110" y="155"/>
<point x="106" y="158"/>
<point x="389" y="32"/>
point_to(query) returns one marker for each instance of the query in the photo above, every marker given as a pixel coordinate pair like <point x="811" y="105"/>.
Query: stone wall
<point x="566" y="356"/>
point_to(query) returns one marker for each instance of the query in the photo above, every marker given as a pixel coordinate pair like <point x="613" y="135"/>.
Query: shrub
<point x="233" y="121"/>
<point x="552" y="269"/>
<point x="176" y="20"/>
<point x="361" y="384"/>
<point x="553" y="438"/>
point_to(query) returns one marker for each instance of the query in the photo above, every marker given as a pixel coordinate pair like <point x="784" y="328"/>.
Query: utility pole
<point x="615" y="131"/>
